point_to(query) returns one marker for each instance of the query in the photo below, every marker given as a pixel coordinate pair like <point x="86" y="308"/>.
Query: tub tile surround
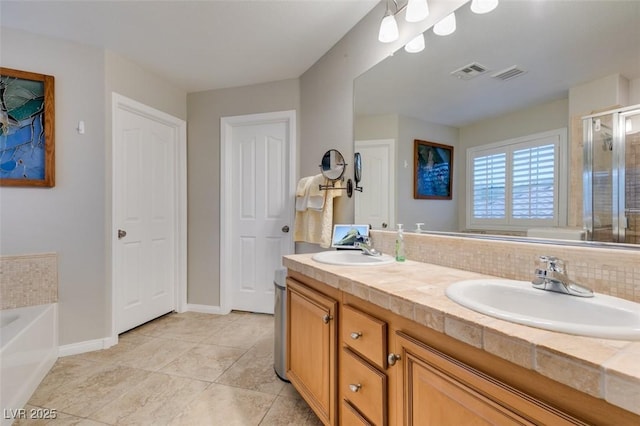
<point x="606" y="369"/>
<point x="28" y="280"/>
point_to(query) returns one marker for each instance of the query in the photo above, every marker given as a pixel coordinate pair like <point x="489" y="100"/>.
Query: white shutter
<point x="489" y="179"/>
<point x="533" y="183"/>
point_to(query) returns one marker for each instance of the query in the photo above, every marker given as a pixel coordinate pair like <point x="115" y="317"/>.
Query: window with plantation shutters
<point x="517" y="184"/>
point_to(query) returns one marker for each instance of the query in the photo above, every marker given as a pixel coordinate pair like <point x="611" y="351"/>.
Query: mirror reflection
<point x="332" y="165"/>
<point x="357" y="167"/>
<point x="524" y="71"/>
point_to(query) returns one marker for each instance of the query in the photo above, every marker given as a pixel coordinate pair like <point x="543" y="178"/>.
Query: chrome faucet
<point x="366" y="247"/>
<point x="550" y="275"/>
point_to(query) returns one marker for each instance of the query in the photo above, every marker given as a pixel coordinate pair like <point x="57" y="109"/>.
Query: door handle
<point x="121" y="234"/>
<point x="285" y="229"/>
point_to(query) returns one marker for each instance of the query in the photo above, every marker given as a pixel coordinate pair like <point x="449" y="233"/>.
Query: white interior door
<point x="146" y="241"/>
<point x="375" y="205"/>
<point x="258" y="184"/>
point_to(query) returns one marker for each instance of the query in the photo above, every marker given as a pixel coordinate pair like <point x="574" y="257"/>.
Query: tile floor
<point x="180" y="369"/>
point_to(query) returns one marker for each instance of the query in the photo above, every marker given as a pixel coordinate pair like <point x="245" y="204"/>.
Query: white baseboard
<point x="207" y="309"/>
<point x="87" y="346"/>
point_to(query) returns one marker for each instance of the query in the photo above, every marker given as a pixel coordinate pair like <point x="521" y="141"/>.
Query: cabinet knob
<point x="356" y="335"/>
<point x="355" y="388"/>
<point x="326" y="318"/>
<point x="392" y="358"/>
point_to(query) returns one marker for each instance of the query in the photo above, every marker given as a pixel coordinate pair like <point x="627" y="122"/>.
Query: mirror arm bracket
<point x="349" y="188"/>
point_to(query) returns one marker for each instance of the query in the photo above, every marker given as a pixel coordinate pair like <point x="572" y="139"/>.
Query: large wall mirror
<point x="530" y="67"/>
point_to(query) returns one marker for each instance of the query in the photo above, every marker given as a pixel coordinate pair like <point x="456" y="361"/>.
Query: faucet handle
<point x="552" y="263"/>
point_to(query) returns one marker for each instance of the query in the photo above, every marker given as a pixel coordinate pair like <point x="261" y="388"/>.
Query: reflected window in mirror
<point x="518" y="183"/>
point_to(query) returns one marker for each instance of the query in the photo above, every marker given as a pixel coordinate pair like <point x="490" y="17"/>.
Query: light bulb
<point x="446" y="26"/>
<point x="388" y="29"/>
<point x="417" y="10"/>
<point x="416" y="45"/>
<point x="483" y="6"/>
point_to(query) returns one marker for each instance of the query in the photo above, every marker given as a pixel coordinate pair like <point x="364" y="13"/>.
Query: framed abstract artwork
<point x="433" y="171"/>
<point x="27" y="115"/>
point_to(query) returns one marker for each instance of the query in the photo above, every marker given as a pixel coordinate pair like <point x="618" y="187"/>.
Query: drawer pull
<point x="356" y="335"/>
<point x="392" y="358"/>
<point x="355" y="388"/>
<point x="326" y="319"/>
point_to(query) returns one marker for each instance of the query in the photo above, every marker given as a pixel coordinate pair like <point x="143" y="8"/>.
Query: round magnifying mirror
<point x="333" y="165"/>
<point x="357" y="166"/>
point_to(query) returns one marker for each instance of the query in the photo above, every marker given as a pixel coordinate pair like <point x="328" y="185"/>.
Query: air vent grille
<point x="469" y="71"/>
<point x="509" y="73"/>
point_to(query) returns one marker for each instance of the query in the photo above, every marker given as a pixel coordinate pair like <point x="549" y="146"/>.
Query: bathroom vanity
<point x="383" y="345"/>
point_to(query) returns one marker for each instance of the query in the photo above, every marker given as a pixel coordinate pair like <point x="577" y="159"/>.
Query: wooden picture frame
<point x="433" y="171"/>
<point x="27" y="118"/>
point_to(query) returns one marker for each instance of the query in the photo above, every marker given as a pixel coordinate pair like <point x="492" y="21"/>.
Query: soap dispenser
<point x="400" y="245"/>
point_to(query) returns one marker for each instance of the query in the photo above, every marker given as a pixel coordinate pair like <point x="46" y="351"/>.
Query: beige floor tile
<point x="82" y="398"/>
<point x="225" y="405"/>
<point x="253" y="371"/>
<point x="287" y="411"/>
<point x="244" y="333"/>
<point x="155" y="400"/>
<point x="154" y="353"/>
<point x="66" y="372"/>
<point x="204" y="362"/>
<point x="122" y="385"/>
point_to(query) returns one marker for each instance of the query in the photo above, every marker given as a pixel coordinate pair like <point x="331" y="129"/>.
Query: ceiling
<point x="199" y="45"/>
<point x="560" y="44"/>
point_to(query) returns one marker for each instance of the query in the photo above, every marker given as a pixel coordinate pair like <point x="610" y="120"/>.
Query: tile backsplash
<point x="606" y="270"/>
<point x="28" y="280"/>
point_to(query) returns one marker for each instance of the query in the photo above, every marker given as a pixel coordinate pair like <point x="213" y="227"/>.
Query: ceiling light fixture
<point x="417" y="10"/>
<point x="483" y="6"/>
<point x="416" y="45"/>
<point x="388" y="27"/>
<point x="446" y="26"/>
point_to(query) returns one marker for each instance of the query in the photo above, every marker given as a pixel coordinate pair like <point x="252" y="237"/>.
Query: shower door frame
<point x="618" y="171"/>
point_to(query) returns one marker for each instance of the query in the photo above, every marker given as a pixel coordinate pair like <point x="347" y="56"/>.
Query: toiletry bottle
<point x="400" y="245"/>
<point x="419" y="228"/>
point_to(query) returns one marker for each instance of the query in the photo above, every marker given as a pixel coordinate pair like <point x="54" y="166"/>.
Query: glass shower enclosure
<point x="611" y="176"/>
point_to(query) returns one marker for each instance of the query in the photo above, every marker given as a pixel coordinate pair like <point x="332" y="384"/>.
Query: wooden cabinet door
<point x="439" y="390"/>
<point x="311" y="348"/>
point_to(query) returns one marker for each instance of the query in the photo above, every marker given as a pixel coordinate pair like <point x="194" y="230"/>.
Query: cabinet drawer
<point x="365" y="334"/>
<point x="364" y="387"/>
<point x="349" y="416"/>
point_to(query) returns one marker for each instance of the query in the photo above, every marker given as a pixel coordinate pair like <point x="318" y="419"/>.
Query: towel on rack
<point x="316" y="226"/>
<point x="302" y="193"/>
<point x="316" y="195"/>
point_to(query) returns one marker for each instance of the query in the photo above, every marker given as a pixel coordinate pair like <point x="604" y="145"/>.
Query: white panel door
<point x="375" y="205"/>
<point x="261" y="212"/>
<point x="145" y="198"/>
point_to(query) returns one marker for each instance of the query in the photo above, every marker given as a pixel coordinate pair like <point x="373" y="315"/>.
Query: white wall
<point x="70" y="218"/>
<point x="205" y="110"/>
<point x="74" y="218"/>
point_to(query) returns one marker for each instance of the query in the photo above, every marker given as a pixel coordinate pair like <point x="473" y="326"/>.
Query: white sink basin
<point x="351" y="258"/>
<point x="517" y="301"/>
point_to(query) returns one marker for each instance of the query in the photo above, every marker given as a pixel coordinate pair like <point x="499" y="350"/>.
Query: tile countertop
<point x="606" y="369"/>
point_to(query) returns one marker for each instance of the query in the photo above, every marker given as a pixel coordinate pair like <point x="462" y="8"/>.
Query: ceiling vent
<point x="509" y="73"/>
<point x="470" y="71"/>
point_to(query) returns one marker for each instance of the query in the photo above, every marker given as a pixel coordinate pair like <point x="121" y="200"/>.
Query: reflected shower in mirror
<point x="527" y="68"/>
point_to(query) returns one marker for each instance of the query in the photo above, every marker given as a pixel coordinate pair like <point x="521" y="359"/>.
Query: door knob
<point x="121" y="234"/>
<point x="285" y="229"/>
